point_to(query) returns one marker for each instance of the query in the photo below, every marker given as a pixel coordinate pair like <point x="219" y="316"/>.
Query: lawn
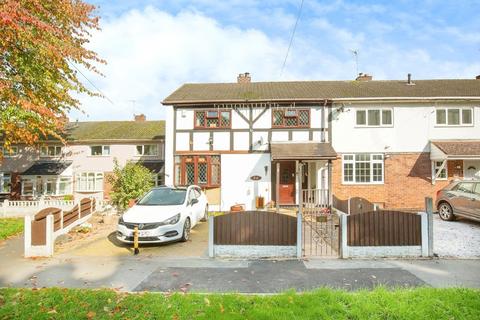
<point x="10" y="227"/>
<point x="420" y="303"/>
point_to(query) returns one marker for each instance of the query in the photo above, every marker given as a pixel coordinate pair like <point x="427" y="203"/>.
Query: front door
<point x="287" y="182"/>
<point x="471" y="169"/>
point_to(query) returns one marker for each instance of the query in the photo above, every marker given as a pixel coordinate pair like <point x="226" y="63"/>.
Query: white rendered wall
<point x="413" y="127"/>
<point x="237" y="187"/>
<point x="221" y="141"/>
<point x="184" y="119"/>
<point x="240" y="141"/>
<point x="200" y="141"/>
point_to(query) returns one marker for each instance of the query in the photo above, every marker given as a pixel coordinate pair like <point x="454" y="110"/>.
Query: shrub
<point x="129" y="182"/>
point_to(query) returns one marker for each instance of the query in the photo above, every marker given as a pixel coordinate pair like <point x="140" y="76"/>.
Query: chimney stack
<point x="244" y="78"/>
<point x="364" y="77"/>
<point x="409" y="79"/>
<point x="140" y="117"/>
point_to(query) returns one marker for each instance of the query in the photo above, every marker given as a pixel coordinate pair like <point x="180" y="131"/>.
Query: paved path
<point x="200" y="274"/>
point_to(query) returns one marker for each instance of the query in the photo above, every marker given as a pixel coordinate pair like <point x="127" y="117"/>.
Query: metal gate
<point x="320" y="227"/>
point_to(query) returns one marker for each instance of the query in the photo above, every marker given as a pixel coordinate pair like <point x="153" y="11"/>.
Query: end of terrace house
<point x="390" y="142"/>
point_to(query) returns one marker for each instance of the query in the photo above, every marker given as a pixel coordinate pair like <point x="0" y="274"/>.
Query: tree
<point x="130" y="182"/>
<point x="42" y="45"/>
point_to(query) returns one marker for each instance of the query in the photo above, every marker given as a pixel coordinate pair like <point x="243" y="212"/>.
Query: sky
<point x="152" y="47"/>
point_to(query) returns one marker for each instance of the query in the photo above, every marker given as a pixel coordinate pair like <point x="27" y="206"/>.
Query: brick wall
<point x="407" y="181"/>
<point x="107" y="186"/>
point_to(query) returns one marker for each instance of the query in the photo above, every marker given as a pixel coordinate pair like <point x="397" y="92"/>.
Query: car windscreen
<point x="163" y="197"/>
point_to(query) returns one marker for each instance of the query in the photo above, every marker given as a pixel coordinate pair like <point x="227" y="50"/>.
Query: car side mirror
<point x="193" y="201"/>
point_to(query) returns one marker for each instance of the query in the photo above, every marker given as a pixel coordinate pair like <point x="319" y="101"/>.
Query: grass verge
<point x="420" y="303"/>
<point x="10" y="227"/>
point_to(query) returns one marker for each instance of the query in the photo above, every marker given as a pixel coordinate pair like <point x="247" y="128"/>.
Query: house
<point x="82" y="166"/>
<point x="390" y="142"/>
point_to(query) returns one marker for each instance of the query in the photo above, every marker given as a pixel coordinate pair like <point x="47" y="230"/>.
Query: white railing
<point x="315" y="198"/>
<point x="22" y="208"/>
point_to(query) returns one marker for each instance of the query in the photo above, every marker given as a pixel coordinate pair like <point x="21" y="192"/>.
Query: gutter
<point x="317" y="100"/>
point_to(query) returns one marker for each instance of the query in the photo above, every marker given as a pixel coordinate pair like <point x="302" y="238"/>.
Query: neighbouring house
<point x="81" y="167"/>
<point x="390" y="142"/>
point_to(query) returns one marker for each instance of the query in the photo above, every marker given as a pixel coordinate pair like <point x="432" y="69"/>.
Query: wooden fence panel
<point x="384" y="228"/>
<point x="255" y="228"/>
<point x="39" y="225"/>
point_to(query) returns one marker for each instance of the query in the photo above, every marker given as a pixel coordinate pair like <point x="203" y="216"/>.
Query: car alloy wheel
<point x="445" y="212"/>
<point x="186" y="230"/>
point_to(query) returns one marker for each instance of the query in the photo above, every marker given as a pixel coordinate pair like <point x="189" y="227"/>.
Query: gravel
<point x="456" y="239"/>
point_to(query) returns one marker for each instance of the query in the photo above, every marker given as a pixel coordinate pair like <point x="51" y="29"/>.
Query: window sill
<point x="380" y="126"/>
<point x="454" y="125"/>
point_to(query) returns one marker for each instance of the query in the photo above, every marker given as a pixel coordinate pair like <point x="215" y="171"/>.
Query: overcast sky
<point x="153" y="47"/>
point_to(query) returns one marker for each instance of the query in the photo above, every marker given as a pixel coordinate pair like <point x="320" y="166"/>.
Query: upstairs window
<point x="9" y="152"/>
<point x="374" y="117"/>
<point x="147" y="150"/>
<point x="50" y="151"/>
<point x="205" y="119"/>
<point x="89" y="181"/>
<point x="200" y="170"/>
<point x="454" y="116"/>
<point x="100" y="150"/>
<point x="291" y="118"/>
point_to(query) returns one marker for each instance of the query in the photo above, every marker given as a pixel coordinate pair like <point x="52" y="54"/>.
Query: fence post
<point x="61" y="219"/>
<point x="211" y="249"/>
<point x="343" y="236"/>
<point x="424" y="229"/>
<point x="429" y="211"/>
<point x="49" y="235"/>
<point x="91" y="205"/>
<point x="79" y="208"/>
<point x="299" y="233"/>
<point x="27" y="232"/>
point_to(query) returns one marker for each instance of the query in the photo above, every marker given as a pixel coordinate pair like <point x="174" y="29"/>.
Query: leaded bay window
<point x="374" y="117"/>
<point x="89" y="181"/>
<point x="291" y="118"/>
<point x="202" y="170"/>
<point x="205" y="119"/>
<point x="363" y="168"/>
<point x="454" y="116"/>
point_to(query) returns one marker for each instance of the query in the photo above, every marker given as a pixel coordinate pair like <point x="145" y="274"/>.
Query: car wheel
<point x="186" y="230"/>
<point x="205" y="214"/>
<point x="445" y="212"/>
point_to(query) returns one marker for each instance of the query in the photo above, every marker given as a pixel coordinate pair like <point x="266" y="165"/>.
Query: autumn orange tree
<point x="42" y="45"/>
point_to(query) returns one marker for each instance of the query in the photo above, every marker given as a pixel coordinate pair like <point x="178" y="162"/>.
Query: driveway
<point x="102" y="242"/>
<point x="456" y="239"/>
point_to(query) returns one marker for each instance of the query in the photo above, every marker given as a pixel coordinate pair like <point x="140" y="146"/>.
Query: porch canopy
<point x="153" y="166"/>
<point x="441" y="150"/>
<point x="302" y="151"/>
<point x="50" y="168"/>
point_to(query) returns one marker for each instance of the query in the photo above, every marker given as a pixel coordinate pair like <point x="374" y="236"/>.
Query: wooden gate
<point x="321" y="227"/>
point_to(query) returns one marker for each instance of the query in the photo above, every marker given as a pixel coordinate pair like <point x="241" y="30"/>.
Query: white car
<point x="164" y="214"/>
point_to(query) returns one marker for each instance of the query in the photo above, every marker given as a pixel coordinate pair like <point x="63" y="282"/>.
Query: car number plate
<point x="144" y="233"/>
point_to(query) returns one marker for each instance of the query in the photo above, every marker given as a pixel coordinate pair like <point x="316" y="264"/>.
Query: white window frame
<point x="13" y="152"/>
<point x="142" y="153"/>
<point x="45" y="179"/>
<point x="381" y="125"/>
<point x="371" y="162"/>
<point x="97" y="176"/>
<point x="460" y="110"/>
<point x="105" y="153"/>
<point x="437" y="165"/>
<point x="44" y="151"/>
<point x="3" y="181"/>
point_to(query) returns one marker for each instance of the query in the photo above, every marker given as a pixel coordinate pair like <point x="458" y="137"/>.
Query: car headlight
<point x="120" y="221"/>
<point x="172" y="220"/>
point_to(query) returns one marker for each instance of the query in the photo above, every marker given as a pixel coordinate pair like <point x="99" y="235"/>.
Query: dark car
<point x="459" y="198"/>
